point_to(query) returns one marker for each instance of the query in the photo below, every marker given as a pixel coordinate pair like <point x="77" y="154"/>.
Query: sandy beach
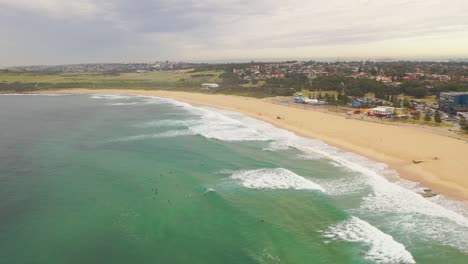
<point x="445" y="159"/>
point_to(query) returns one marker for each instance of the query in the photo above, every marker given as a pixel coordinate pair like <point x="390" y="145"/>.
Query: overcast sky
<point x="76" y="31"/>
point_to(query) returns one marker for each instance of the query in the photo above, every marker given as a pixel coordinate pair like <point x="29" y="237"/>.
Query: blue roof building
<point x="356" y="104"/>
<point x="451" y="102"/>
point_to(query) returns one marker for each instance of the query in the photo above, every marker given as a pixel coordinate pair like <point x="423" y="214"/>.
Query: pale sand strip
<point x="393" y="145"/>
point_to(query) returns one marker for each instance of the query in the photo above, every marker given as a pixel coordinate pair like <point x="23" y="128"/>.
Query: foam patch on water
<point x="350" y="185"/>
<point x="131" y="103"/>
<point x="392" y="198"/>
<point x="219" y="124"/>
<point x="278" y="178"/>
<point x="170" y="123"/>
<point x="389" y="194"/>
<point x="113" y="96"/>
<point x="382" y="247"/>
<point x="140" y="100"/>
<point x="267" y="257"/>
<point x="276" y="146"/>
<point x="167" y="134"/>
<point x="429" y="229"/>
<point x="309" y="157"/>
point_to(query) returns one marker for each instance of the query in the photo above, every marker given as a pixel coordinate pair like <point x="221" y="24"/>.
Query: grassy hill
<point x="149" y="80"/>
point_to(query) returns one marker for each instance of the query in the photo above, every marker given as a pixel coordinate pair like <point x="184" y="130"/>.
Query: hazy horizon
<point x="264" y="60"/>
<point x="54" y="32"/>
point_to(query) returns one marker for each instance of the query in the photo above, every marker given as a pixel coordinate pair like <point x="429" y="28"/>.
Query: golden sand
<point x="445" y="159"/>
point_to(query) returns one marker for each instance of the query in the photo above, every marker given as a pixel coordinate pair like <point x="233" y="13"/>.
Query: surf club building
<point x="382" y="111"/>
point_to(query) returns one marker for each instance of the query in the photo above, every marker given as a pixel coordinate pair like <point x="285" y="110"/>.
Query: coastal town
<point x="424" y="92"/>
<point x="387" y="72"/>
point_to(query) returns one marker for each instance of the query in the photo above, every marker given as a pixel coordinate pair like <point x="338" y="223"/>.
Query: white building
<point x="463" y="114"/>
<point x="382" y="110"/>
<point x="210" y="85"/>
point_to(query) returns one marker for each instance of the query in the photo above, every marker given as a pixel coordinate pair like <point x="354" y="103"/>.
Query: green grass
<point x="167" y="80"/>
<point x="420" y="122"/>
<point x="428" y="99"/>
<point x="98" y="80"/>
<point x="252" y="85"/>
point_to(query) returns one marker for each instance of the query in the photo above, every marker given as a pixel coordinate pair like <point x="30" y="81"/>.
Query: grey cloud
<point x="150" y="29"/>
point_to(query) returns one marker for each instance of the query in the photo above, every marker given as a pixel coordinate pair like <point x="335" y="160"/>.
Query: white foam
<point x="277" y="178"/>
<point x="142" y="100"/>
<point x="382" y="247"/>
<point x="392" y="198"/>
<point x="389" y="194"/>
<point x="429" y="229"/>
<point x="350" y="185"/>
<point x="219" y="124"/>
<point x="167" y="134"/>
<point x="309" y="156"/>
<point x="386" y="196"/>
<point x="170" y="123"/>
<point x="112" y="96"/>
<point x="276" y="146"/>
<point x="267" y="257"/>
<point x="120" y="104"/>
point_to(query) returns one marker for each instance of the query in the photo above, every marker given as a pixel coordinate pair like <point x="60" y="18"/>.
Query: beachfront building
<point x="451" y="102"/>
<point x="382" y="111"/>
<point x="210" y="85"/>
<point x="463" y="114"/>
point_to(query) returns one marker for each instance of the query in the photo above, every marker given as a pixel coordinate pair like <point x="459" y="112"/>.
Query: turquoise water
<point x="119" y="179"/>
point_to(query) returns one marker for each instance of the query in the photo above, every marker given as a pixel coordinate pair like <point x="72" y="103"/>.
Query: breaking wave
<point x="170" y="123"/>
<point x="167" y="134"/>
<point x="278" y="178"/>
<point x="112" y="96"/>
<point x="387" y="195"/>
<point x="382" y="247"/>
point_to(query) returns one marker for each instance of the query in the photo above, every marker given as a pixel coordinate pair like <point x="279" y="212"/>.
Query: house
<point x="384" y="78"/>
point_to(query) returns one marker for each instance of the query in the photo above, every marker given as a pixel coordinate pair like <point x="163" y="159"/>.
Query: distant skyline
<point x="36" y="32"/>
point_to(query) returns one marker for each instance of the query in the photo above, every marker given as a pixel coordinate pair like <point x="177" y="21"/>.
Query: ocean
<point x="133" y="179"/>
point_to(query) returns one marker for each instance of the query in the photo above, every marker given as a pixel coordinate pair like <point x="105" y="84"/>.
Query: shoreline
<point x="445" y="166"/>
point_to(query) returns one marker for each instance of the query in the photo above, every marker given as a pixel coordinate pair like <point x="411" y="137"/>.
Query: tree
<point x="437" y="117"/>
<point x="418" y="92"/>
<point x="406" y="103"/>
<point x="427" y="117"/>
<point x="417" y="116"/>
<point x="344" y="99"/>
<point x="332" y="100"/>
<point x="339" y="97"/>
<point x="464" y="124"/>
